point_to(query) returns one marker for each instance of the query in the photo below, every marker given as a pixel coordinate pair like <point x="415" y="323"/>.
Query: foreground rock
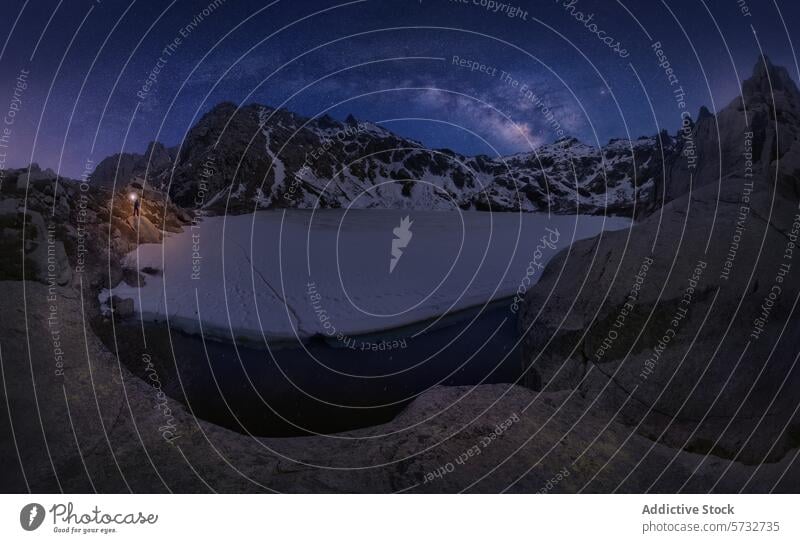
<point x="62" y="231"/>
<point x="686" y="325"/>
<point x="81" y="422"/>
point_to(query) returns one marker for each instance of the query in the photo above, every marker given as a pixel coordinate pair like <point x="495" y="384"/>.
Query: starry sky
<point x="475" y="76"/>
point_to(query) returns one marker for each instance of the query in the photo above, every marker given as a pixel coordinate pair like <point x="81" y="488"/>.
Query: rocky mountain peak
<point x="568" y="142"/>
<point x="222" y="108"/>
<point x="704" y="113"/>
<point x="768" y="79"/>
<point x="327" y="122"/>
<point x="158" y="155"/>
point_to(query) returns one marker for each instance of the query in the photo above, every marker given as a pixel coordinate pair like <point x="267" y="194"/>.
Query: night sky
<point x="391" y="62"/>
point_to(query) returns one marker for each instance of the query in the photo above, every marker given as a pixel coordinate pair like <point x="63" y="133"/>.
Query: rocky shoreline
<point x="99" y="428"/>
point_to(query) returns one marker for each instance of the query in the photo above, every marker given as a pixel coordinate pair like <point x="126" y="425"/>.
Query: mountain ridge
<point x="269" y="158"/>
<point x="256" y="157"/>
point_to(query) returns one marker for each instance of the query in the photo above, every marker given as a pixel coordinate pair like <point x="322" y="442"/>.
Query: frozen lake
<point x="280" y="275"/>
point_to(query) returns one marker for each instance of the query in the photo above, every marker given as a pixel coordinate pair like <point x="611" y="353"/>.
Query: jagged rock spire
<point x="768" y="78"/>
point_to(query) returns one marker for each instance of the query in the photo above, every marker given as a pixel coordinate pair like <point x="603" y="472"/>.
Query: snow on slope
<point x="297" y="273"/>
<point x="268" y="158"/>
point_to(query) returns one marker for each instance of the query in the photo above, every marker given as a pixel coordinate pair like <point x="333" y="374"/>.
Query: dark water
<point x="284" y="391"/>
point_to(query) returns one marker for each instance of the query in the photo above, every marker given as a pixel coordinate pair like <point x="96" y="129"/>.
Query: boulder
<point x="145" y="231"/>
<point x="9" y="206"/>
<point x="133" y="278"/>
<point x="685" y="357"/>
<point x="47" y="252"/>
<point x="123" y="307"/>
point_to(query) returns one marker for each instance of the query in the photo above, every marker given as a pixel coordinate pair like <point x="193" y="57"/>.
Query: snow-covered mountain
<point x="255" y="157"/>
